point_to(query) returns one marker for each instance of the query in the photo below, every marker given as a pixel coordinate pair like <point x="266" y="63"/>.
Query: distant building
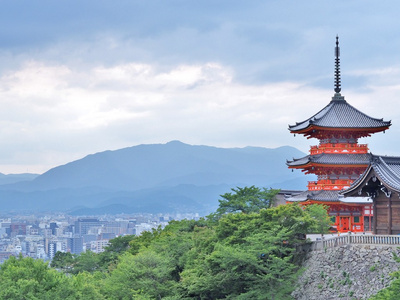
<point x="17" y="229"/>
<point x="83" y="225"/>
<point x="99" y="245"/>
<point x="75" y="244"/>
<point x="107" y="236"/>
<point x="53" y="227"/>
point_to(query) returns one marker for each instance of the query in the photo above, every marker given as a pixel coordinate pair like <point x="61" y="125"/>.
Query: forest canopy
<point x="245" y="250"/>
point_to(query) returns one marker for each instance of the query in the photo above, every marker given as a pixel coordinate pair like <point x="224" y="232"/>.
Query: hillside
<point x="153" y="178"/>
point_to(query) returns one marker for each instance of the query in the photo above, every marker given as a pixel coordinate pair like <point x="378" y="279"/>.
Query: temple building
<point x="339" y="161"/>
<point x="381" y="183"/>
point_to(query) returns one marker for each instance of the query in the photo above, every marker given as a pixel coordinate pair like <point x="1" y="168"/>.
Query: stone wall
<point x="346" y="272"/>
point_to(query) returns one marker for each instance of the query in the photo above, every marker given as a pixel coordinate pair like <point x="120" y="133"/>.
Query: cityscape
<point x="41" y="236"/>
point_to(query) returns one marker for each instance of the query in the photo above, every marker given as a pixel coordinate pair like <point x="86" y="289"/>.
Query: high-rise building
<point x="83" y="225"/>
<point x="75" y="244"/>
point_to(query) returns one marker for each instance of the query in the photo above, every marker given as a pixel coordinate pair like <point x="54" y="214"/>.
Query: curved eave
<point x="325" y="202"/>
<point x="356" y="184"/>
<point x="360" y="182"/>
<point x="309" y="129"/>
<point x="386" y="175"/>
<point x="311" y="164"/>
<point x="356" y="201"/>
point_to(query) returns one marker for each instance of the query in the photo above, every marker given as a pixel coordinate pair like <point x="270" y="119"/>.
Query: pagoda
<point x="338" y="160"/>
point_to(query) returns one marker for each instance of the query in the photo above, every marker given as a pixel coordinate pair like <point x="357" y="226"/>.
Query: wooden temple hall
<point x="361" y="190"/>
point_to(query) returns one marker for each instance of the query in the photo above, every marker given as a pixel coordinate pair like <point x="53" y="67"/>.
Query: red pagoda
<point x="338" y="160"/>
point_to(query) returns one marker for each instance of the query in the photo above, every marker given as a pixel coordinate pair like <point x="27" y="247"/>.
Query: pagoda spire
<point x="337" y="66"/>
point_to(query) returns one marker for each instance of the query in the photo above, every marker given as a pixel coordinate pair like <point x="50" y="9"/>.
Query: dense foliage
<point x="243" y="252"/>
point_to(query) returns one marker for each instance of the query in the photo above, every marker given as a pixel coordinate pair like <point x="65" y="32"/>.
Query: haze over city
<point x="82" y="77"/>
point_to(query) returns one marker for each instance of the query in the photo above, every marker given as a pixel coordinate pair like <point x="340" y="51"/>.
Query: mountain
<point x="13" y="178"/>
<point x="167" y="177"/>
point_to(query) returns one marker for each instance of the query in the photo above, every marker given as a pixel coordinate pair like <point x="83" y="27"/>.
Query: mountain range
<point x="171" y="177"/>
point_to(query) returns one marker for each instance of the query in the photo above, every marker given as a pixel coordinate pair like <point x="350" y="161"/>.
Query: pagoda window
<point x="333" y="220"/>
<point x="356" y="219"/>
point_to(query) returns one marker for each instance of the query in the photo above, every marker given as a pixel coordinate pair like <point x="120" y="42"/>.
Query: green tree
<point x="86" y="262"/>
<point x="147" y="274"/>
<point x="27" y="278"/>
<point x="392" y="292"/>
<point x="117" y="246"/>
<point x="63" y="261"/>
<point x="246" y="200"/>
<point x="319" y="213"/>
<point x="81" y="286"/>
<point x="248" y="261"/>
<point x="144" y="240"/>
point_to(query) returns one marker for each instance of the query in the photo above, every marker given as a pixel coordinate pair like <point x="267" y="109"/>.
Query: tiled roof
<point x="328" y="196"/>
<point x="387" y="168"/>
<point x="339" y="114"/>
<point x="332" y="159"/>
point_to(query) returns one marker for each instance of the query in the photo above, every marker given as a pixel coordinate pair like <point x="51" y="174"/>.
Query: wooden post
<point x="370" y="219"/>
<point x="390" y="215"/>
<point x="374" y="216"/>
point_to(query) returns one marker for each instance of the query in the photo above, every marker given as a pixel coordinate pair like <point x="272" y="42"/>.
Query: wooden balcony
<point x="339" y="149"/>
<point x="329" y="185"/>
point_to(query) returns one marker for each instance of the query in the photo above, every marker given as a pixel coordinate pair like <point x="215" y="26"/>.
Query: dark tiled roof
<point x="331" y="159"/>
<point x="303" y="196"/>
<point x="339" y="114"/>
<point x="328" y="196"/>
<point x="331" y="196"/>
<point x="387" y="168"/>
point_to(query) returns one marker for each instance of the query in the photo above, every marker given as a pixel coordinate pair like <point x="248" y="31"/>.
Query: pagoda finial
<point x="337" y="66"/>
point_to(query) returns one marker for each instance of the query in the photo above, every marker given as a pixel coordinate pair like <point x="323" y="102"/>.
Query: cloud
<point x="76" y="78"/>
<point x="54" y="113"/>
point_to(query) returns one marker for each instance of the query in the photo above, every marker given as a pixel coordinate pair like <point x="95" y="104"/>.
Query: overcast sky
<point x="79" y="77"/>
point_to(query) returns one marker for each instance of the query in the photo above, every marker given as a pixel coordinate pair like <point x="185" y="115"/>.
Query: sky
<point x="80" y="77"/>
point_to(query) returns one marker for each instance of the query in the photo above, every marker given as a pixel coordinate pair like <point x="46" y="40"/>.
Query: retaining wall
<point x="349" y="271"/>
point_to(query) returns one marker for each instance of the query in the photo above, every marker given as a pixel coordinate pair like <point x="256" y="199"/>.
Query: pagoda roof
<point x="331" y="159"/>
<point x="321" y="195"/>
<point x="386" y="168"/>
<point x="338" y="114"/>
<point x="327" y="196"/>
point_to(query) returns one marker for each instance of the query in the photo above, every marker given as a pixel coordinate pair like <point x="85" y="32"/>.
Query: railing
<point x="349" y="238"/>
<point x="339" y="148"/>
<point x="326" y="184"/>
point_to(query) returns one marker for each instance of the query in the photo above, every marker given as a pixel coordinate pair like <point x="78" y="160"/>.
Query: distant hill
<point x="13" y="178"/>
<point x="167" y="177"/>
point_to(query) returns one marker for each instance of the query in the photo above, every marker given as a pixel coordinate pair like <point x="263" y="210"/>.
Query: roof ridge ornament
<point x="337" y="66"/>
<point x="337" y="96"/>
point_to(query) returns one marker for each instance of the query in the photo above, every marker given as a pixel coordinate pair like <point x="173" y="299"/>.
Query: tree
<point x="69" y="263"/>
<point x="319" y="213"/>
<point x="26" y="278"/>
<point x="86" y="262"/>
<point x="63" y="261"/>
<point x="249" y="260"/>
<point x="392" y="292"/>
<point x="144" y="240"/>
<point x="147" y="274"/>
<point x="246" y="200"/>
<point x="116" y="247"/>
